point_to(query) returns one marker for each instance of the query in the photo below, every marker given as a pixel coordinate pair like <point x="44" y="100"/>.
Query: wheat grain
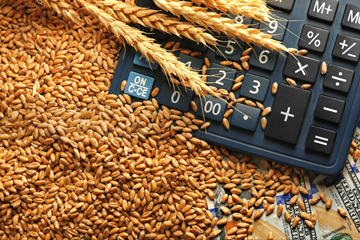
<point x="63" y="9"/>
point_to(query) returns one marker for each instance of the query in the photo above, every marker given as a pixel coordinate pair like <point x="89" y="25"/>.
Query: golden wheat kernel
<point x="175" y="47"/>
<point x="306" y="86"/>
<point x="295" y="222"/>
<point x="274" y="88"/>
<point x="245" y="65"/>
<point x="302" y="52"/>
<point x="328" y="204"/>
<point x="354" y="144"/>
<point x="196" y="54"/>
<point x="226" y="63"/>
<point x="323" y="68"/>
<point x="246" y="52"/>
<point x="356" y="154"/>
<point x="263" y="122"/>
<point x="237" y="66"/>
<point x="169" y="45"/>
<point x="291" y="82"/>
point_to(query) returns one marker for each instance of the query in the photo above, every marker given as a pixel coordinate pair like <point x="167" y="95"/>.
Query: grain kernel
<point x="263" y="122"/>
<point x="323" y="68"/>
<point x="342" y="212"/>
<point x="279" y="210"/>
<point x="123" y="85"/>
<point x="322" y="197"/>
<point x="306" y="86"/>
<point x="328" y="204"/>
<point x="295" y="222"/>
<point x="274" y="88"/>
<point x="291" y="82"/>
<point x="287" y="216"/>
<point x="237" y="66"/>
<point x="226" y="63"/>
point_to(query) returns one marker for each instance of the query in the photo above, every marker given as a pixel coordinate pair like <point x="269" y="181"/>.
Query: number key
<point x="275" y="27"/>
<point x="230" y="49"/>
<point x="212" y="108"/>
<point x="176" y="97"/>
<point x="221" y="77"/>
<point x="254" y="87"/>
<point x="194" y="63"/>
<point x="263" y="58"/>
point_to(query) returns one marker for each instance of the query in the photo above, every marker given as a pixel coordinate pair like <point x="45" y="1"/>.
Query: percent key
<point x="313" y="38"/>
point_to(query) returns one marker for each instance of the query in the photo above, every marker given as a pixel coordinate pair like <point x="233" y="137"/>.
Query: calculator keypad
<point x="245" y="117"/>
<point x="313" y="38"/>
<point x="323" y="9"/>
<point x="176" y="97"/>
<point x="296" y="132"/>
<point x="286" y="5"/>
<point x="288" y="112"/>
<point x="301" y="68"/>
<point x="339" y="78"/>
<point x="139" y="85"/>
<point x="221" y="77"/>
<point x="351" y="17"/>
<point x="320" y="139"/>
<point x="347" y="48"/>
<point x="329" y="109"/>
<point x="263" y="58"/>
<point x="275" y="27"/>
<point x="254" y="87"/>
<point x="212" y="108"/>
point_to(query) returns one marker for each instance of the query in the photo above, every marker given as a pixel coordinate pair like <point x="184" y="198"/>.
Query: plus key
<point x="287" y="113"/>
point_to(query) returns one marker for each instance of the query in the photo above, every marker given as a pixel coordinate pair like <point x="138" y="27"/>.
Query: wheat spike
<point x="151" y="50"/>
<point x="216" y="22"/>
<point x="152" y="19"/>
<point x="249" y="8"/>
<point x="63" y="9"/>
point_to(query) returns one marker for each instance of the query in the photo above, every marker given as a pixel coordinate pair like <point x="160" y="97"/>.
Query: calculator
<point x="307" y="128"/>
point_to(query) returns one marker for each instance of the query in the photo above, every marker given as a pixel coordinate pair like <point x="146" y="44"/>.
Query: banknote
<point x="344" y="190"/>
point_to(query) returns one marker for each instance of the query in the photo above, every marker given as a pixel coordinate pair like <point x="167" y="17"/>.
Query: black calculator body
<point x="310" y="129"/>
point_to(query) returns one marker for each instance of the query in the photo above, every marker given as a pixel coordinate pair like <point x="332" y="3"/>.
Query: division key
<point x="288" y="112"/>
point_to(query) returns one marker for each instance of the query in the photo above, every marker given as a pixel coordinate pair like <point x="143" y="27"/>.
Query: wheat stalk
<point x="151" y="50"/>
<point x="214" y="21"/>
<point x="63" y="9"/>
<point x="152" y="19"/>
<point x="255" y="9"/>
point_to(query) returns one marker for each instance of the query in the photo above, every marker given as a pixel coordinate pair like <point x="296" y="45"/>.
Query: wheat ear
<point x="63" y="9"/>
<point x="216" y="22"/>
<point x="250" y="9"/>
<point x="152" y="19"/>
<point x="151" y="50"/>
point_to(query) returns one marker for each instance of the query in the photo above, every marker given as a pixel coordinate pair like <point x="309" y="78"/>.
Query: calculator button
<point x="240" y="19"/>
<point x="286" y="5"/>
<point x="141" y="61"/>
<point x="329" y="109"/>
<point x="245" y="117"/>
<point x="313" y="38"/>
<point x="176" y="97"/>
<point x="320" y="139"/>
<point x="139" y="85"/>
<point x="288" y="112"/>
<point x="187" y="43"/>
<point x="263" y="58"/>
<point x="229" y="48"/>
<point x="301" y="68"/>
<point x="339" y="78"/>
<point x="275" y="27"/>
<point x="212" y="108"/>
<point x="254" y="87"/>
<point x="221" y="77"/>
<point x="194" y="63"/>
<point x="347" y="48"/>
<point x="323" y="9"/>
<point x="351" y="17"/>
